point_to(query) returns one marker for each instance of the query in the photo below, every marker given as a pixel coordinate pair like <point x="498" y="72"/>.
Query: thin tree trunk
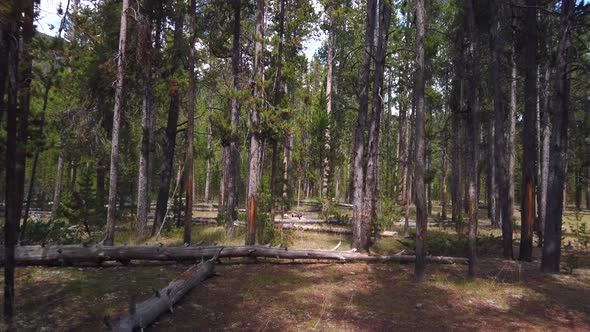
<point x="114" y="170"/>
<point x="209" y="152"/>
<point x="529" y="134"/>
<point x="256" y="144"/>
<point x="502" y="156"/>
<point x="172" y="122"/>
<point x="444" y="166"/>
<point x="559" y="141"/>
<point x="329" y="100"/>
<point x="273" y="177"/>
<point x="508" y="218"/>
<point x="4" y="45"/>
<point x="359" y="140"/>
<point x="545" y="146"/>
<point x="402" y="160"/>
<point x="231" y="168"/>
<point x="144" y="178"/>
<point x="192" y="104"/>
<point x="420" y="202"/>
<point x="372" y="176"/>
<point x="473" y="135"/>
<point x="287" y="156"/>
<point x="13" y="211"/>
<point x="58" y="183"/>
<point x="35" y="161"/>
<point x="457" y="162"/>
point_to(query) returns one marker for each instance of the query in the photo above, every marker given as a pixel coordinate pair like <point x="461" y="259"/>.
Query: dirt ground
<point x="324" y="297"/>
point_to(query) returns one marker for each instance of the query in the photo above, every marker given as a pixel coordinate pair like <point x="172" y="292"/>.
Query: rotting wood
<point x="75" y="254"/>
<point x="146" y="312"/>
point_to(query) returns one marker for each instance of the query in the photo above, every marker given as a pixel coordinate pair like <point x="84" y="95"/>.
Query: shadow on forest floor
<point x="253" y="297"/>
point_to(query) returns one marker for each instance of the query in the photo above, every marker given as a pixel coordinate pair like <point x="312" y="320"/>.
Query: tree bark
<point x="192" y="104"/>
<point x="559" y="141"/>
<point x="35" y="161"/>
<point x="13" y="211"/>
<point x="529" y="134"/>
<point x="420" y="202"/>
<point x="74" y="254"/>
<point x="256" y="146"/>
<point x="144" y="178"/>
<point x="58" y="183"/>
<point x="456" y="162"/>
<point x="172" y="122"/>
<point x="114" y="170"/>
<point x="359" y="140"/>
<point x="329" y="99"/>
<point x="4" y="45"/>
<point x="231" y="167"/>
<point x="444" y="194"/>
<point x="209" y="152"/>
<point x="146" y="312"/>
<point x="502" y="153"/>
<point x="473" y="135"/>
<point x="508" y="214"/>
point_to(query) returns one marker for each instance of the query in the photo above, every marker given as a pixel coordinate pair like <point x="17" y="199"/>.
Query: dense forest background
<point x="137" y="110"/>
<point x="134" y="113"/>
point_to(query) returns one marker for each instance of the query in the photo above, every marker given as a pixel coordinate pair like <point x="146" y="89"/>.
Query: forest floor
<point x="507" y="295"/>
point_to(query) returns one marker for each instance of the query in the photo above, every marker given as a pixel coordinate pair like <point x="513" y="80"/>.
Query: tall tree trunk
<point x="508" y="214"/>
<point x="35" y="162"/>
<point x="209" y="152"/>
<point x="287" y="156"/>
<point x="144" y="178"/>
<point x="24" y="101"/>
<point x="114" y="170"/>
<point x="4" y="45"/>
<point x="192" y="104"/>
<point x="444" y="166"/>
<point x="256" y="144"/>
<point x="172" y="122"/>
<point x="13" y="211"/>
<point x="421" y="212"/>
<point x="493" y="184"/>
<point x="529" y="134"/>
<point x="329" y="100"/>
<point x="502" y="156"/>
<point x="402" y="155"/>
<point x="274" y="165"/>
<point x="472" y="134"/>
<point x="58" y="183"/>
<point x="545" y="142"/>
<point x="359" y="136"/>
<point x="231" y="168"/>
<point x="578" y="189"/>
<point x="559" y="141"/>
<point x="456" y="163"/>
<point x="372" y="175"/>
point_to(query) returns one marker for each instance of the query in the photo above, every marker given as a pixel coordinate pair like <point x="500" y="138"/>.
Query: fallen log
<point x="74" y="254"/>
<point x="146" y="312"/>
<point x="314" y="228"/>
<point x="297" y="225"/>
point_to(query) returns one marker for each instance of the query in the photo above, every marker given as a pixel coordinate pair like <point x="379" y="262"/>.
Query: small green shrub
<point x="55" y="232"/>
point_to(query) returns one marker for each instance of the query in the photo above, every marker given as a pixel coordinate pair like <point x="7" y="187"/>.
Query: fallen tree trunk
<point x="301" y="221"/>
<point x="329" y="229"/>
<point x="144" y="313"/>
<point x="70" y="254"/>
<point x="323" y="229"/>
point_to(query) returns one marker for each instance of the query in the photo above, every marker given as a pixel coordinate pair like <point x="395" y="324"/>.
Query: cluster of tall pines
<point x="138" y="109"/>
